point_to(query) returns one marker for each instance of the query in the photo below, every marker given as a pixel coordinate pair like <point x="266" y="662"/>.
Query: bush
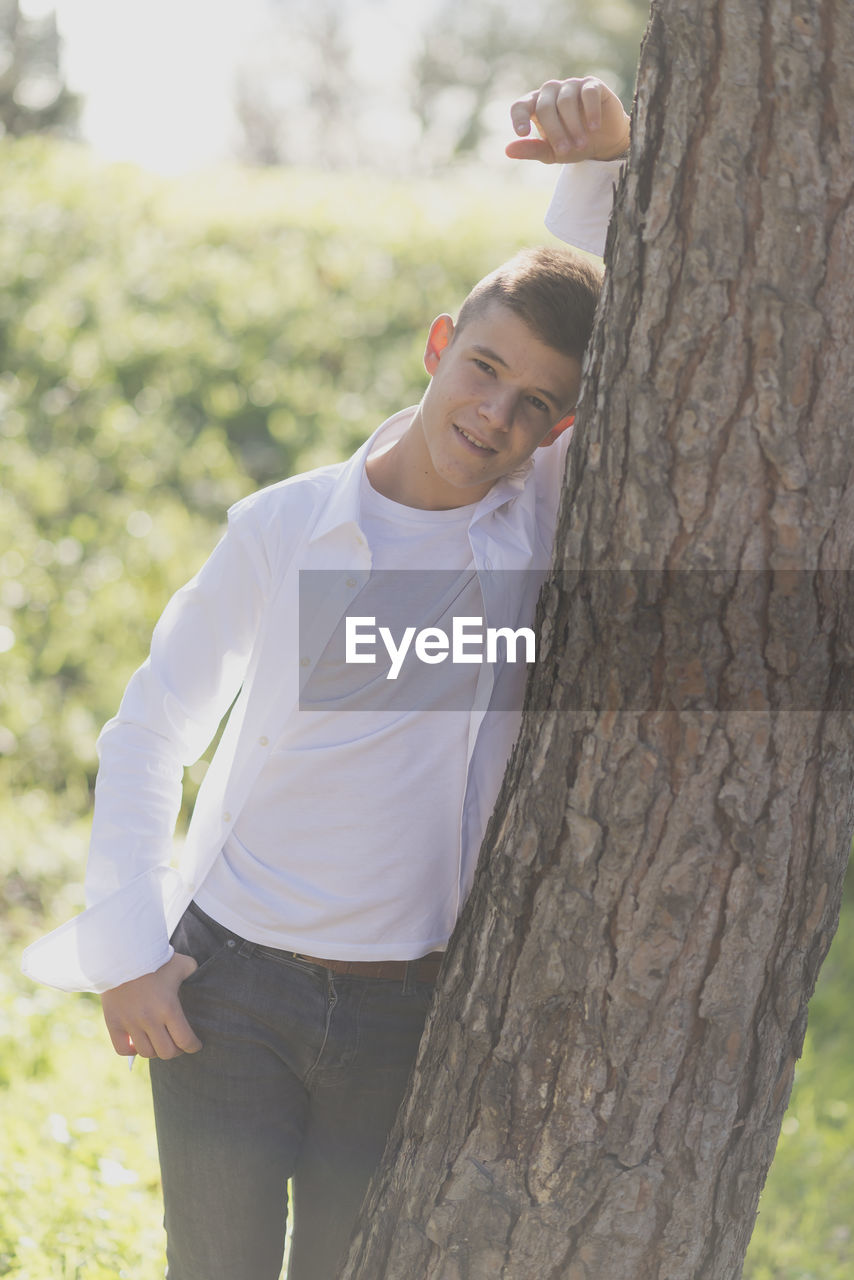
<point x="167" y="347"/>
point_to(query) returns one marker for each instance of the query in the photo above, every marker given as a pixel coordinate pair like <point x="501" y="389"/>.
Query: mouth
<point x="474" y="442"/>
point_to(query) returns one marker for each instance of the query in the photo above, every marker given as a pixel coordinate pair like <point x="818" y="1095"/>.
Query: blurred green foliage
<point x="165" y="347"/>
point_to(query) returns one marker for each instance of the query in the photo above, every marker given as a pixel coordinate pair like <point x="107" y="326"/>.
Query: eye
<point x="482" y="365"/>
<point x="538" y="404"/>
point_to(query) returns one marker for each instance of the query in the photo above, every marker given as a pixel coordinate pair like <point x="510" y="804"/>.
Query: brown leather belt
<point x="426" y="967"/>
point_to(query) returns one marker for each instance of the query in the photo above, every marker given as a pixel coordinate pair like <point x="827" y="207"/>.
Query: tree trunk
<point x="602" y="1082"/>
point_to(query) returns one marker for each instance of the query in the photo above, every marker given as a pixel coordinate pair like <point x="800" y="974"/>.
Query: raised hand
<point x="577" y="119"/>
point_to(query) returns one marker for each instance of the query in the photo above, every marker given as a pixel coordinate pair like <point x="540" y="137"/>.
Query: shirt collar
<point x="344" y="505"/>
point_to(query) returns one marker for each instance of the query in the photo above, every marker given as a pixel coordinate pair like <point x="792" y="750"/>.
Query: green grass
<point x="805" y="1229"/>
<point x="79" y="1183"/>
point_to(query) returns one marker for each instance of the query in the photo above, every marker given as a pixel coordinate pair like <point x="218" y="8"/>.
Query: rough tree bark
<point x="601" y="1085"/>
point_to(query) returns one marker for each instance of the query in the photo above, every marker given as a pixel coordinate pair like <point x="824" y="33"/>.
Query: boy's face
<point x="497" y="392"/>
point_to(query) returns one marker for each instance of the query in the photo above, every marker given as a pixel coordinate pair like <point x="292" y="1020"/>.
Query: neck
<point x="405" y="474"/>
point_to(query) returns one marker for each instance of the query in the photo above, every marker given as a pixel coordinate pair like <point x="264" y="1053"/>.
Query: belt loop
<point x="246" y="948"/>
<point x="409" y="977"/>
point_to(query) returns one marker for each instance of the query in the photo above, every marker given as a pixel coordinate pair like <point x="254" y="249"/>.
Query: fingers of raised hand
<point x="575" y="118"/>
<point x="540" y="108"/>
<point x="561" y="116"/>
<point x="522" y="113"/>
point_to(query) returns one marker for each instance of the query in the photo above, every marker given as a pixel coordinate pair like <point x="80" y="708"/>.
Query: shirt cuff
<point x="580" y="208"/>
<point x="122" y="937"/>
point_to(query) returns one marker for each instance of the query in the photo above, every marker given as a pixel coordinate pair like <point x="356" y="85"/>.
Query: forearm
<point x="580" y="208"/>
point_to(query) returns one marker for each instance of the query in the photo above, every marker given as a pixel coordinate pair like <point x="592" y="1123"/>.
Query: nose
<point x="498" y="408"/>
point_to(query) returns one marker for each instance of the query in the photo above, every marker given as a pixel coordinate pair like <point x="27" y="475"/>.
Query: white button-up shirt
<point x="232" y="633"/>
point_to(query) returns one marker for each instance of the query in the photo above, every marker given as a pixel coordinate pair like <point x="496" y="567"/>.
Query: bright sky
<point x="157" y="75"/>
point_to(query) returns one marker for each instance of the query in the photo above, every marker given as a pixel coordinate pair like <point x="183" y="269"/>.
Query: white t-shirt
<point x="350" y="837"/>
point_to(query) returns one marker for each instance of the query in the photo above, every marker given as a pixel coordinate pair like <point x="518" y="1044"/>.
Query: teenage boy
<point x="329" y="854"/>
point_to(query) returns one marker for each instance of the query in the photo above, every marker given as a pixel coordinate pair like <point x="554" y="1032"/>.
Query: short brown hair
<point x="555" y="292"/>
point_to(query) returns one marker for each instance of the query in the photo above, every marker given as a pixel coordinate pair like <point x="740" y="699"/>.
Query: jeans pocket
<point x="202" y="938"/>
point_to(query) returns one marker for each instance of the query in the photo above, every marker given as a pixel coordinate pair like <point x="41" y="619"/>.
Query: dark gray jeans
<point x="301" y="1076"/>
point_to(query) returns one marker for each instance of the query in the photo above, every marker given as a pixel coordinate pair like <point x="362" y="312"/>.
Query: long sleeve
<point x="169" y="713"/>
<point x="580" y="208"/>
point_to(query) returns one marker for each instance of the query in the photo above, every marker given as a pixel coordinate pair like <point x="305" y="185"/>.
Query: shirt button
<point x="226" y="817"/>
<point x="263" y="742"/>
<point x="305" y="662"/>
<point x="352" y="582"/>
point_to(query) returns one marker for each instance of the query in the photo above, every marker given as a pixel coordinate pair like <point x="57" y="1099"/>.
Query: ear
<point x="558" y="429"/>
<point x="441" y="332"/>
